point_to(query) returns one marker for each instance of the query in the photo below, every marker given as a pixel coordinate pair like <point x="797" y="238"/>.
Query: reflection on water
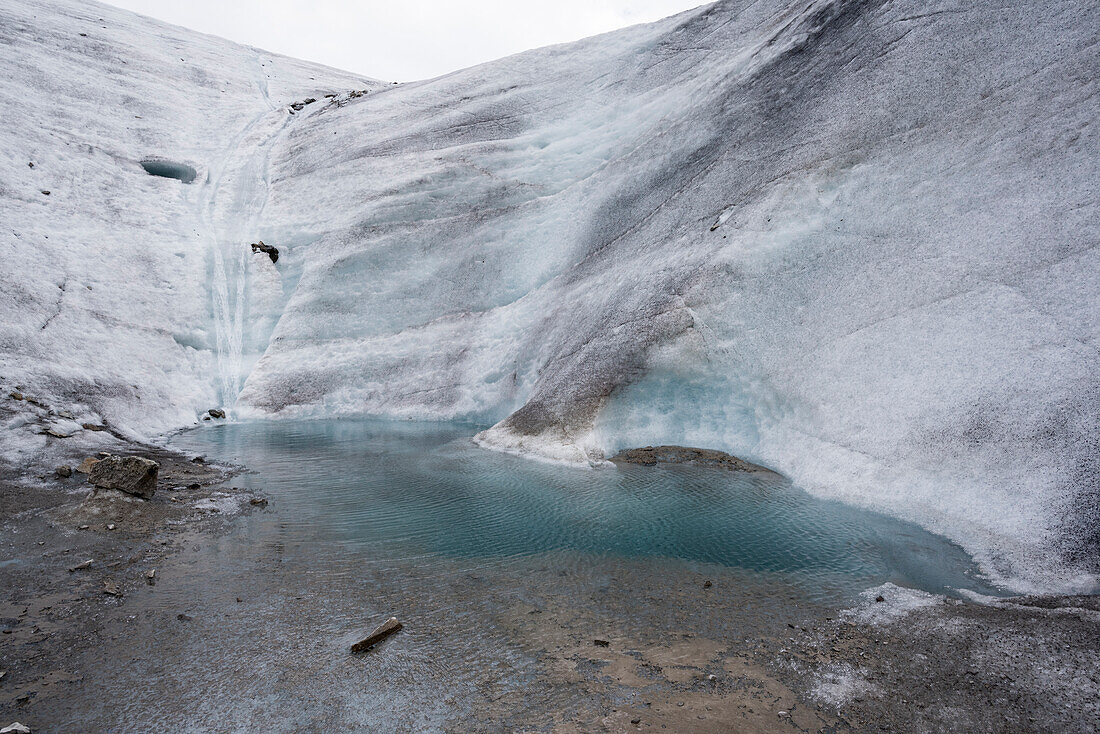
<point x="397" y="490"/>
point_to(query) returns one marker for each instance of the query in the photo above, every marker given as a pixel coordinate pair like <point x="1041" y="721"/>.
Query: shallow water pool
<point x="398" y="490"/>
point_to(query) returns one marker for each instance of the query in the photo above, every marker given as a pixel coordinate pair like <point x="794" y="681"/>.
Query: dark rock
<point x="380" y="633"/>
<point x="880" y="598"/>
<point x="653" y="455"/>
<point x="216" y="413"/>
<point x="258" y="501"/>
<point x="131" y="474"/>
<point x="92" y="427"/>
<point x="198" y="460"/>
<point x="194" y="485"/>
<point x="46" y="192"/>
<point x="17" y="396"/>
<point x="64" y="471"/>
<point x="184" y="617"/>
<point x="298" y="106"/>
<point x="56" y="433"/>
<point x="81" y="566"/>
<point x="707" y="584"/>
<point x="111" y="588"/>
<point x="272" y="252"/>
<point x="601" y="643"/>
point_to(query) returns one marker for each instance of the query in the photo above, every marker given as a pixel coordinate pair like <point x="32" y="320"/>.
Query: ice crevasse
<point x="854" y="241"/>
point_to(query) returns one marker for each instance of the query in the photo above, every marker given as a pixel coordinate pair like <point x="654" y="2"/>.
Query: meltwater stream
<point x="379" y="489"/>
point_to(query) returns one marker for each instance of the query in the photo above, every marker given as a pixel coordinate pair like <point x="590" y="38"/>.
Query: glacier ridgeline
<point x="854" y="241"/>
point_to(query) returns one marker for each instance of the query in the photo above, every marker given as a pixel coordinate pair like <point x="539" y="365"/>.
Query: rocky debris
<point x="151" y="577"/>
<point x="299" y="106"/>
<point x="64" y="471"/>
<point x="380" y="633"/>
<point x="131" y="474"/>
<point x="93" y="427"/>
<point x="56" y="433"/>
<point x="216" y="413"/>
<point x="269" y="250"/>
<point x="65" y="414"/>
<point x="258" y="502"/>
<point x="198" y="460"/>
<point x="184" y="617"/>
<point x="653" y="455"/>
<point x="87" y="465"/>
<point x="80" y="566"/>
<point x="601" y="643"/>
<point x="111" y="588"/>
<point x="16" y="396"/>
<point x="15" y="728"/>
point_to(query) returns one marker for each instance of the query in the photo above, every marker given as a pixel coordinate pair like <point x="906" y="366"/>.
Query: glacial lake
<point x="380" y="490"/>
<point x="530" y="593"/>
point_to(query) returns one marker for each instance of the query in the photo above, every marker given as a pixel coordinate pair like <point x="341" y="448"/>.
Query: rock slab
<point x="380" y="633"/>
<point x="134" y="475"/>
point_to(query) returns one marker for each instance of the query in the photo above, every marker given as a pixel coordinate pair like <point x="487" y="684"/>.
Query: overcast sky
<point x="404" y="40"/>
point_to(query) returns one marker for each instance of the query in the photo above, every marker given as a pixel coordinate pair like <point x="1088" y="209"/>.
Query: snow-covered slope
<point x="107" y="288"/>
<point x="853" y="240"/>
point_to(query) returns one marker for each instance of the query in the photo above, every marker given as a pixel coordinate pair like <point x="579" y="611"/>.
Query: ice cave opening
<point x="169" y="169"/>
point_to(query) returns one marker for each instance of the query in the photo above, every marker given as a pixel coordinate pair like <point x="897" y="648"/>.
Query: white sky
<point x="404" y="40"/>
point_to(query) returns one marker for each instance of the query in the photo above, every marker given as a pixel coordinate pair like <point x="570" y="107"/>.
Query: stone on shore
<point x="134" y="475"/>
<point x="64" y="471"/>
<point x="380" y="633"/>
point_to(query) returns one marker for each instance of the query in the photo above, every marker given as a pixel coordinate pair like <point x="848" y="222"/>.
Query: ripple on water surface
<point x="398" y="490"/>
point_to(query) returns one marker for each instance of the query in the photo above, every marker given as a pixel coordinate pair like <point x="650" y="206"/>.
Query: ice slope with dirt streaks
<point x="117" y="286"/>
<point x="855" y="241"/>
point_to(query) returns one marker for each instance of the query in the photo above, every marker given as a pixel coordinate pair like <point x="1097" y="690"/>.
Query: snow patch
<point x="840" y="683"/>
<point x="897" y="602"/>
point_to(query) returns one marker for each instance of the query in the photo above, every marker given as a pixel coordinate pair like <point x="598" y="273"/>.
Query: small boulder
<point x="17" y="395"/>
<point x="93" y="427"/>
<point x="216" y="413"/>
<point x="64" y="471"/>
<point x="134" y="475"/>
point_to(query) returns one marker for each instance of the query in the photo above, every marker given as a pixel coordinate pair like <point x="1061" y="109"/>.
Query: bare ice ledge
<point x="855" y="242"/>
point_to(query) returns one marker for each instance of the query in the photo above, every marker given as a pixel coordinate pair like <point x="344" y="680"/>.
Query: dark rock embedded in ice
<point x="653" y="455"/>
<point x="269" y="250"/>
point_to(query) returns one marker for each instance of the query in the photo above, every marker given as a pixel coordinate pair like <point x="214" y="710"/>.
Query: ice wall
<point x="855" y="241"/>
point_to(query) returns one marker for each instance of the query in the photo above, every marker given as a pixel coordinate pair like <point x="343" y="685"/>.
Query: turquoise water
<point x="401" y="490"/>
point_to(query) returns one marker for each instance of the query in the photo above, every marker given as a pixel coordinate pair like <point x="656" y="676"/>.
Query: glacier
<point x="855" y="241"/>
